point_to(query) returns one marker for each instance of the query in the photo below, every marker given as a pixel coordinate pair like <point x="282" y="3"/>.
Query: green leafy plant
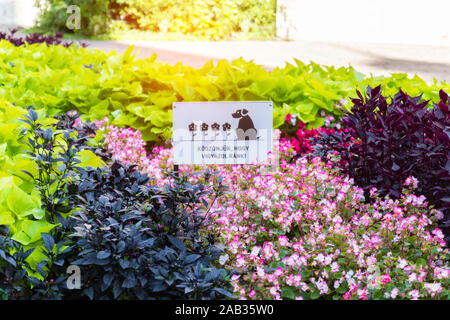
<point x="139" y="93"/>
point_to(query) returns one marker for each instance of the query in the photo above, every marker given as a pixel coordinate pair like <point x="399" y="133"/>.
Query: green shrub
<point x="201" y="19"/>
<point x="95" y="16"/>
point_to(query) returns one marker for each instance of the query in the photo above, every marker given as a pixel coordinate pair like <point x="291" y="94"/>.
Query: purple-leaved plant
<point x="388" y="142"/>
<point x="32" y="38"/>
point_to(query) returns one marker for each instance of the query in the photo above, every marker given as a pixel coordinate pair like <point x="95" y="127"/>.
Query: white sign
<point x="222" y="132"/>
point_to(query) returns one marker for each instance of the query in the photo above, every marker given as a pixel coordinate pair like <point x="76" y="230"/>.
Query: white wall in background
<point x="389" y="21"/>
<point x="18" y="12"/>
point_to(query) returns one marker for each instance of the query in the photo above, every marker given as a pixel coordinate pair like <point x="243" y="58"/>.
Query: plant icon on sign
<point x="215" y="128"/>
<point x="192" y="128"/>
<point x="227" y="128"/>
<point x="204" y="127"/>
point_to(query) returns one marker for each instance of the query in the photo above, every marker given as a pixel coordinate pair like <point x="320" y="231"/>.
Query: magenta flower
<point x="385" y="279"/>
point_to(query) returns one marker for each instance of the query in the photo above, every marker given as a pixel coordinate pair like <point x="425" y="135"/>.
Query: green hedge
<point x="198" y="19"/>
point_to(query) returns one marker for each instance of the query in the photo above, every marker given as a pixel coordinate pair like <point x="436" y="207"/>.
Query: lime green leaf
<point x="89" y="159"/>
<point x="29" y="231"/>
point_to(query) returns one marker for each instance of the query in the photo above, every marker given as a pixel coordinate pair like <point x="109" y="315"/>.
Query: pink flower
<point x="283" y="241"/>
<point x="394" y="293"/>
<point x="439" y="215"/>
<point x="347" y="295"/>
<point x="363" y="293"/>
<point x="274" y="291"/>
<point x="373" y="192"/>
<point x="77" y="122"/>
<point x="414" y="294"/>
<point x="335" y="267"/>
<point x="235" y="277"/>
<point x="438" y="233"/>
<point x="385" y="279"/>
<point x="279" y="272"/>
<point x="411" y="181"/>
<point x="343" y="101"/>
<point x="433" y="288"/>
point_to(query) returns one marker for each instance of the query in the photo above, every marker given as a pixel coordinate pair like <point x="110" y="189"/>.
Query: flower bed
<point x="348" y="211"/>
<point x="305" y="232"/>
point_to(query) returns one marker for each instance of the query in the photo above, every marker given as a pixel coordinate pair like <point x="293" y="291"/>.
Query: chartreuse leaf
<point x="321" y="91"/>
<point x="139" y="93"/>
<point x="46" y="121"/>
<point x="3" y="150"/>
<point x="18" y="201"/>
<point x="278" y="118"/>
<point x="9" y="112"/>
<point x="6" y="217"/>
<point x="167" y="100"/>
<point x="185" y="90"/>
<point x="318" y="122"/>
<point x="29" y="231"/>
<point x="36" y="257"/>
<point x="8" y="132"/>
<point x="320" y="103"/>
<point x="89" y="159"/>
<point x="306" y="111"/>
<point x="23" y="204"/>
<point x="101" y="109"/>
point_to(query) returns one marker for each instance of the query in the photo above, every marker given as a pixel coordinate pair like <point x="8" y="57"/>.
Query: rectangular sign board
<point x="222" y="132"/>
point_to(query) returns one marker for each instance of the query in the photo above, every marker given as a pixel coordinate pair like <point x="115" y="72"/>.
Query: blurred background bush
<point x="174" y="19"/>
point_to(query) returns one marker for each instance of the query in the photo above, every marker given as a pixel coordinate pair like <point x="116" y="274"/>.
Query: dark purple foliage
<point x="57" y="39"/>
<point x="387" y="143"/>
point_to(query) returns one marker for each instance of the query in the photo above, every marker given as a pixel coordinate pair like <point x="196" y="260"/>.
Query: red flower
<point x="288" y="118"/>
<point x="301" y="124"/>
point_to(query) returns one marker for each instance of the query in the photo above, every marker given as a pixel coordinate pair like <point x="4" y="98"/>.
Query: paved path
<point x="379" y="59"/>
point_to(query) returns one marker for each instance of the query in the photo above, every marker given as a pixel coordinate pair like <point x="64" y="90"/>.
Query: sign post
<point x="222" y="132"/>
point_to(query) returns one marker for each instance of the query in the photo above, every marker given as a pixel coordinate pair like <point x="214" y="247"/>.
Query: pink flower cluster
<point x="303" y="231"/>
<point x="125" y="145"/>
<point x="318" y="238"/>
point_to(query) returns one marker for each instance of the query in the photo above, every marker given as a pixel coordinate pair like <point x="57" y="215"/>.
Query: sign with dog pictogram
<point x="222" y="132"/>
